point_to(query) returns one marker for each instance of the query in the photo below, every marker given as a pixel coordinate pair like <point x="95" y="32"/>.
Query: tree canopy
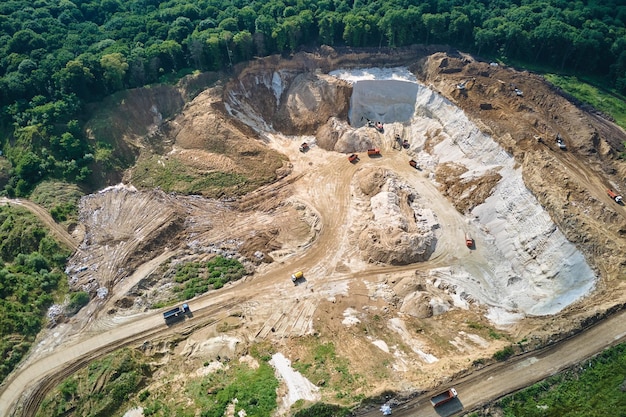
<point x="55" y="56"/>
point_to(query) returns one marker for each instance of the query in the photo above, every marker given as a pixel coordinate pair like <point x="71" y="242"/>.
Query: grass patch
<point x="595" y="388"/>
<point x="195" y="278"/>
<point x="504" y="354"/>
<point x="323" y="410"/>
<point x="606" y="101"/>
<point x="100" y="389"/>
<point x="59" y="198"/>
<point x="322" y="366"/>
<point x="255" y="390"/>
<point x="171" y="175"/>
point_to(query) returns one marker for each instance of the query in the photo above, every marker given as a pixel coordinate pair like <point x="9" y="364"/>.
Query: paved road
<point x="496" y="381"/>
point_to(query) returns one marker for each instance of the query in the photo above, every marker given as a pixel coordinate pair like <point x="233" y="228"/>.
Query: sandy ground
<point x="382" y="244"/>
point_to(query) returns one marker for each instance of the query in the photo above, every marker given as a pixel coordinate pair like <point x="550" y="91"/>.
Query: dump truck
<point x="304" y="147"/>
<point x="176" y="313"/>
<point x="414" y="164"/>
<point x="373" y="152"/>
<point x="296" y="276"/>
<point x="379" y="126"/>
<point x="443" y="398"/>
<point x="353" y="158"/>
<point x="469" y="241"/>
<point x="405" y="144"/>
<point x="616" y="197"/>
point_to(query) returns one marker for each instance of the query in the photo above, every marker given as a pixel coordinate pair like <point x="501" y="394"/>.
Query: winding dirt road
<point x="33" y="379"/>
<point x="322" y="181"/>
<point x="496" y="381"/>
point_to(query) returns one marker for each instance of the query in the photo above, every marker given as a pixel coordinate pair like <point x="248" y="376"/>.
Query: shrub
<point x="504" y="354"/>
<point x="77" y="301"/>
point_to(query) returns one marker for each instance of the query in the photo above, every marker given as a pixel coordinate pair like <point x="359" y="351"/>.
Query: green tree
<point x="25" y="40"/>
<point x="114" y="68"/>
<point x="330" y="27"/>
<point x="74" y="77"/>
<point x="242" y="45"/>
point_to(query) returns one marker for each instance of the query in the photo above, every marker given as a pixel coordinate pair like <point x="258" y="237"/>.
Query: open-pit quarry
<point x="389" y="279"/>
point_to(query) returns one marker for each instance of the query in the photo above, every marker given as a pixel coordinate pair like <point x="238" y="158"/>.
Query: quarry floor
<point x="306" y="221"/>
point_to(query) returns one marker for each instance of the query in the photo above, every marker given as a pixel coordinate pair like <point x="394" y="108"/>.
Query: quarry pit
<point x="388" y="277"/>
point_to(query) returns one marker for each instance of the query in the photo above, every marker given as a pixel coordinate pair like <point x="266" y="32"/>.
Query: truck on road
<point x="443" y="398"/>
<point x="176" y="313"/>
<point x="296" y="276"/>
<point x="618" y="198"/>
<point x="469" y="241"/>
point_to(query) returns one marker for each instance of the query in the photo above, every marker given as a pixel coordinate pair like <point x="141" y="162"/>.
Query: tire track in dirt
<point x="41" y="376"/>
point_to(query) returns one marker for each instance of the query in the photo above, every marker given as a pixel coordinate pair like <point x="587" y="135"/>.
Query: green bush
<point x="504" y="354"/>
<point x="323" y="410"/>
<point x="199" y="277"/>
<point x="77" y="301"/>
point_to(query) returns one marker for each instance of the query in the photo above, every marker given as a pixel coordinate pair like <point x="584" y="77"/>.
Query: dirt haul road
<point x="496" y="381"/>
<point x="320" y="261"/>
<point x="350" y="228"/>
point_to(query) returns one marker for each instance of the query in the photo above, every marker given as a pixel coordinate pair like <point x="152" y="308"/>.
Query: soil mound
<point x="394" y="228"/>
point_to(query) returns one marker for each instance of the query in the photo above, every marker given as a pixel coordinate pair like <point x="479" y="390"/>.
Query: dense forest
<point x="58" y="55"/>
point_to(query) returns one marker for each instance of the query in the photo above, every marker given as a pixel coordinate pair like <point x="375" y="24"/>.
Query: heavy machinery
<point x="354" y="158"/>
<point x="469" y="241"/>
<point x="616" y="197"/>
<point x="373" y="152"/>
<point x="414" y="164"/>
<point x="443" y="398"/>
<point x="304" y="147"/>
<point x="176" y="313"/>
<point x="296" y="276"/>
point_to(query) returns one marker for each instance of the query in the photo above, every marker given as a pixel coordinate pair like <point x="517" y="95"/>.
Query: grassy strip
<point x="31" y="279"/>
<point x="99" y="390"/>
<point x="607" y="102"/>
<point x="322" y="365"/>
<point x="254" y="389"/>
<point x="172" y="175"/>
<point x="594" y="388"/>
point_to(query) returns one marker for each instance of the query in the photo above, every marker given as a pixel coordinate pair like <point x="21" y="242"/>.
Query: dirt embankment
<point x="570" y="184"/>
<point x="297" y="97"/>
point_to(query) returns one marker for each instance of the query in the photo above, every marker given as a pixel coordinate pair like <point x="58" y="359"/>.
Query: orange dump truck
<point x="373" y="151"/>
<point x="618" y="198"/>
<point x="353" y="158"/>
<point x="443" y="398"/>
<point x="469" y="242"/>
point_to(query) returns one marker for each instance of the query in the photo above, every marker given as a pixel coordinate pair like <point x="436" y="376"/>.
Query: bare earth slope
<point x="388" y="279"/>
